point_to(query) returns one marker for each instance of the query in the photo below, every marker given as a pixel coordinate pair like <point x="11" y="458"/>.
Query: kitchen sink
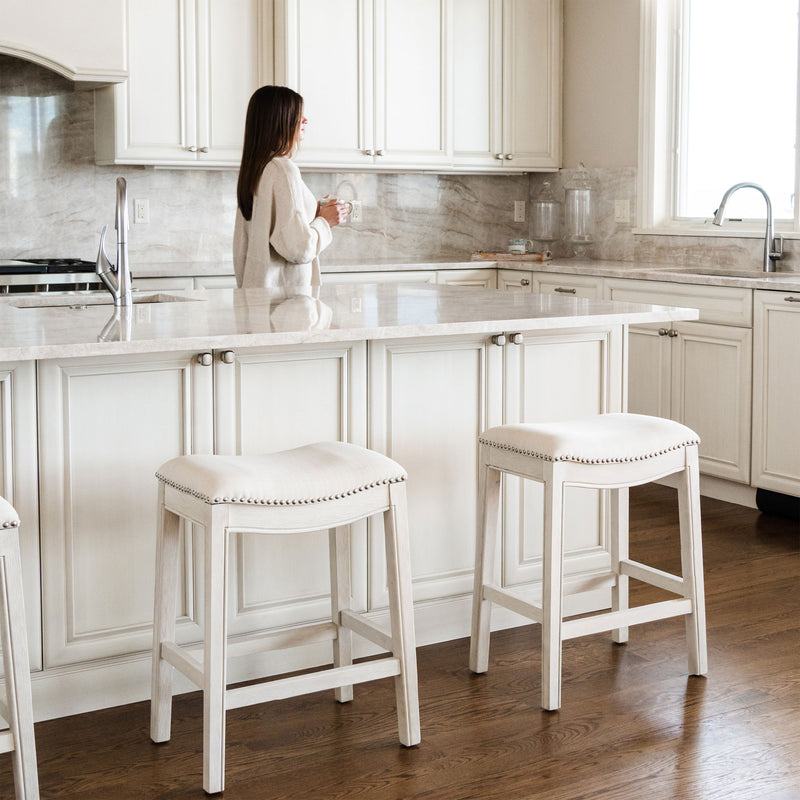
<point x="77" y="302"/>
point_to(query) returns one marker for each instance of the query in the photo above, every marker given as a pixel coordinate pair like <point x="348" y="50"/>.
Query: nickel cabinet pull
<point x="792" y="299"/>
<point x="561" y="290"/>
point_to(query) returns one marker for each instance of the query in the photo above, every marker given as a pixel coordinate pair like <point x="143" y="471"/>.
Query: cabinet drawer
<point x="727" y="305"/>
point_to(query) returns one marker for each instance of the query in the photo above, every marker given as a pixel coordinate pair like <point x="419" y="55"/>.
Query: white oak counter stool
<point x="608" y="451"/>
<point x="17" y="710"/>
<point x="327" y="485"/>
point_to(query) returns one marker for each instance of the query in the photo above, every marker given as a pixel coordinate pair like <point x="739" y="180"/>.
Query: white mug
<point x="346" y="203"/>
<point x="519" y="245"/>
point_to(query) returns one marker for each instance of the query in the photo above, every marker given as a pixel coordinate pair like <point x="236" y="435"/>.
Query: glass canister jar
<point x="545" y="216"/>
<point x="579" y="212"/>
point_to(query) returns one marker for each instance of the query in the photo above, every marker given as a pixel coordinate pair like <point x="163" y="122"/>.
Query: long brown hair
<point x="270" y="130"/>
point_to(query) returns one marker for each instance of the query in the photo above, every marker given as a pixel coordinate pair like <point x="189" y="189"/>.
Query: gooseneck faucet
<point x="117" y="279"/>
<point x="772" y="253"/>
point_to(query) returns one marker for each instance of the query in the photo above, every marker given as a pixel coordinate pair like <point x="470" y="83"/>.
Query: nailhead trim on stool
<point x="610" y="452"/>
<point x="324" y="485"/>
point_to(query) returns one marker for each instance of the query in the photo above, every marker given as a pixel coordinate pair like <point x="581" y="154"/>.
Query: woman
<point x="280" y="227"/>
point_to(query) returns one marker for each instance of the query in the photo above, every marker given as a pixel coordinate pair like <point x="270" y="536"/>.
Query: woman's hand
<point x="333" y="212"/>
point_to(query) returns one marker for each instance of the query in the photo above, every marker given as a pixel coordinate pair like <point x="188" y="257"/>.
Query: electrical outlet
<point x="141" y="211"/>
<point x="355" y="216"/>
<point x="519" y="211"/>
<point x="622" y="210"/>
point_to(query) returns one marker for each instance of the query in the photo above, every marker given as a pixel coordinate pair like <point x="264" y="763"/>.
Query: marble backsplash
<point x="54" y="199"/>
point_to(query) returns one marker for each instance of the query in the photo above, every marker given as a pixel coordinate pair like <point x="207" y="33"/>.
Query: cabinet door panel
<point x="649" y="372"/>
<point x="532" y="82"/>
<point x="556" y="378"/>
<point x="19" y="484"/>
<point x="711" y="382"/>
<point x="410" y="91"/>
<point x="275" y="399"/>
<point x="776" y="387"/>
<point x="105" y="427"/>
<point x="430" y="402"/>
<point x="323" y="38"/>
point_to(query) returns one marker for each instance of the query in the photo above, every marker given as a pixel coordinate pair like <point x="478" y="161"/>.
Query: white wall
<point x="601" y="82"/>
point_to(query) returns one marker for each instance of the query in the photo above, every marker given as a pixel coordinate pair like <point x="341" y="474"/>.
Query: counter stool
<point x="17" y="710"/>
<point x="324" y="485"/>
<point x="609" y="451"/>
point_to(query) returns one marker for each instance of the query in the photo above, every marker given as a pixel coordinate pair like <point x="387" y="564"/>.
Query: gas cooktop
<point x="41" y="266"/>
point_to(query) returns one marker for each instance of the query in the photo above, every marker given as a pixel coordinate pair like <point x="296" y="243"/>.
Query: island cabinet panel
<point x="18" y="484"/>
<point x="430" y="399"/>
<point x="269" y="399"/>
<point x="555" y="377"/>
<point x="105" y="426"/>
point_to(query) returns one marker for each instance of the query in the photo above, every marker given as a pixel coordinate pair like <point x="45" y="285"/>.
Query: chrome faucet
<point x="117" y="279"/>
<point x="772" y="253"/>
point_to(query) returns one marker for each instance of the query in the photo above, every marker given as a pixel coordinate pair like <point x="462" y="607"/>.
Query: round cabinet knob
<point x="524" y="282"/>
<point x="227" y="356"/>
<point x="203" y="149"/>
<point x="499" y="156"/>
<point x="672" y="333"/>
<point x="516" y="338"/>
<point x="379" y="152"/>
<point x="509" y="156"/>
<point x="499" y="339"/>
<point x="192" y="148"/>
<point x="663" y="332"/>
<point x="205" y="359"/>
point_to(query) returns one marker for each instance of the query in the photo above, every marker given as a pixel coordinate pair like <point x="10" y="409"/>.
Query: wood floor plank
<point x="633" y="723"/>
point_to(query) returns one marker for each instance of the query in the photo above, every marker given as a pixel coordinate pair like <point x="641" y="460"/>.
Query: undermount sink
<point x="76" y="302"/>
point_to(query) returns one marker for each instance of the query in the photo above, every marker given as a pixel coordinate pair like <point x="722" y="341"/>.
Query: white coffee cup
<point x="519" y="246"/>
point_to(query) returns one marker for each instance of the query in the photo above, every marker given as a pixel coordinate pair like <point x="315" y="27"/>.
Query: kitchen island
<point x="94" y="399"/>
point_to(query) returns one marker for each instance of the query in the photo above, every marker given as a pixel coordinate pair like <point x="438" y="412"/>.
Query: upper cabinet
<point x="82" y="40"/>
<point x="192" y="68"/>
<point x="468" y="85"/>
<point x="506" y="84"/>
<point x="373" y="74"/>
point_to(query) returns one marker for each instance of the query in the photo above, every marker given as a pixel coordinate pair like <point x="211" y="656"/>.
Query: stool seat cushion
<point x="314" y="473"/>
<point x="604" y="439"/>
<point x="8" y="516"/>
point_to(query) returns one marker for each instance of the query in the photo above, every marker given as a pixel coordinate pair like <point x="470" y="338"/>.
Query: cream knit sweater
<point x="279" y="245"/>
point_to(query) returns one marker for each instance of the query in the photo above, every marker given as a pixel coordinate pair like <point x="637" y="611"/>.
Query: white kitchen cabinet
<point x="697" y="373"/>
<point x="506" y="84"/>
<point x="430" y="400"/>
<point x="192" y="68"/>
<point x="18" y="481"/>
<point x="105" y="426"/>
<point x="776" y="389"/>
<point x="83" y="40"/>
<point x="268" y="399"/>
<point x="550" y="283"/>
<point x="373" y="77"/>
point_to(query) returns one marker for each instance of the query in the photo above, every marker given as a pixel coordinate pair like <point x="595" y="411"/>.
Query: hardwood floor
<point x="633" y="724"/>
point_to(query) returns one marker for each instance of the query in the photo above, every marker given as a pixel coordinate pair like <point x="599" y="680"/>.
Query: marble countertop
<point x="225" y="318"/>
<point x="710" y="275"/>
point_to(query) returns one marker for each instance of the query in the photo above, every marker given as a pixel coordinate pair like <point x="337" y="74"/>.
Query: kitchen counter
<point x="66" y="327"/>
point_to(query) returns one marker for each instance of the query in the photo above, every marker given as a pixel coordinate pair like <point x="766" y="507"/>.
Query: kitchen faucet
<point x="117" y="279"/>
<point x="771" y="253"/>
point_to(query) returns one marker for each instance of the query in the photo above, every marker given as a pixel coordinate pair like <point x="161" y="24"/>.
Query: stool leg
<point x="552" y="581"/>
<point x="215" y="649"/>
<point x="17" y="667"/>
<point x="401" y="607"/>
<point x="692" y="563"/>
<point x="166" y="606"/>
<point x="485" y="549"/>
<point x="340" y="600"/>
<point x="619" y="552"/>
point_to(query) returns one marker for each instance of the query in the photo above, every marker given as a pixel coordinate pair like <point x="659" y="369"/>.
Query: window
<point x="718" y="106"/>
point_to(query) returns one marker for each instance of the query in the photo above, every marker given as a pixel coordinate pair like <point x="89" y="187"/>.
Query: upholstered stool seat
<point x="610" y="452"/>
<point x="324" y="485"/>
<point x="17" y="710"/>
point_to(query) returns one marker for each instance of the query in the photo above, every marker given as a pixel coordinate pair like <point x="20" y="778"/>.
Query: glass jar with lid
<point x="579" y="212"/>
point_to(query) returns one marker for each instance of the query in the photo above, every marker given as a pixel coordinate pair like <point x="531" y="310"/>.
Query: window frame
<point x="662" y="75"/>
